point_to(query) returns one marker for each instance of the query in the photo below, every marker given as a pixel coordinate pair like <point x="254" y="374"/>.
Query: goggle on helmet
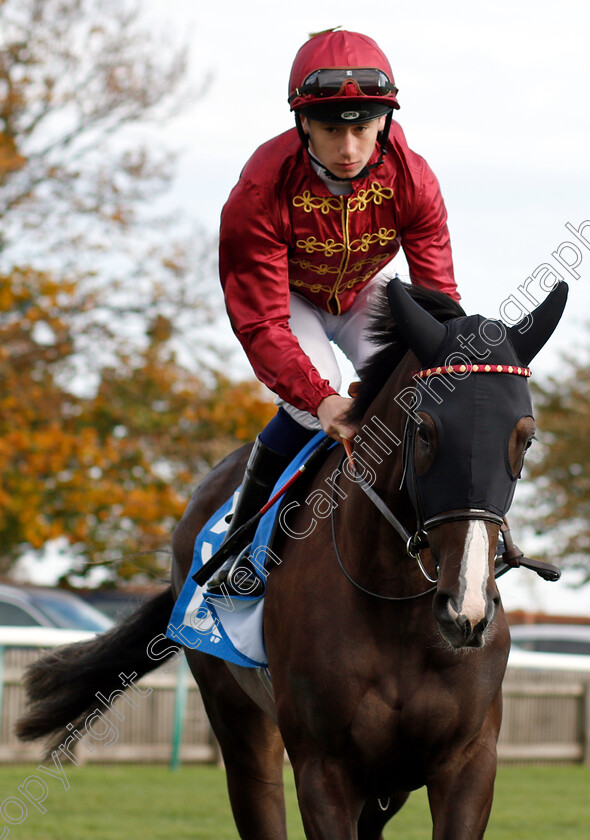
<point x="342" y="77"/>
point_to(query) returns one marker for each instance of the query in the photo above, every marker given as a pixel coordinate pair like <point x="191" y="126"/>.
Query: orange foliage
<point x="101" y="441"/>
<point x="111" y="471"/>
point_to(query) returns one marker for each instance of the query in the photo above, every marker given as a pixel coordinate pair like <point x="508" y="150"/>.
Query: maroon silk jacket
<point x="282" y="230"/>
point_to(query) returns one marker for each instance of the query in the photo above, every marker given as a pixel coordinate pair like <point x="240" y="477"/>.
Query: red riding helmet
<point x="341" y="77"/>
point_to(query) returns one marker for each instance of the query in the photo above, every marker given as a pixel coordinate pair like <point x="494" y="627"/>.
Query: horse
<point x="384" y="629"/>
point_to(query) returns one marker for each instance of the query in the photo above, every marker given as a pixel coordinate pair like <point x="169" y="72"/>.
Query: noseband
<point x="409" y="475"/>
<point x="463" y="370"/>
<point x="419" y="541"/>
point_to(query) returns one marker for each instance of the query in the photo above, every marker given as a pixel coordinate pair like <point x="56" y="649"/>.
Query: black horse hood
<point x="473" y="385"/>
<point x="475" y="409"/>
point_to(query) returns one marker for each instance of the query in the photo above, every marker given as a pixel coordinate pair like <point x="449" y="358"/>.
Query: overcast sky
<point x="494" y="96"/>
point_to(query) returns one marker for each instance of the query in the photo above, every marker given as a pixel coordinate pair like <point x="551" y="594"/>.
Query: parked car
<point x="563" y="647"/>
<point x="25" y="606"/>
<point x="552" y="638"/>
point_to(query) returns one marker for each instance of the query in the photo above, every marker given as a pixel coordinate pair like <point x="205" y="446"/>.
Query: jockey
<point x="316" y="215"/>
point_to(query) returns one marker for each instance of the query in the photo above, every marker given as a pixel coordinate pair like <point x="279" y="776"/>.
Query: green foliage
<point x="559" y="466"/>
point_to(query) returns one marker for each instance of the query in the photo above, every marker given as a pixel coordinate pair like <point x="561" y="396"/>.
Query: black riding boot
<point x="262" y="472"/>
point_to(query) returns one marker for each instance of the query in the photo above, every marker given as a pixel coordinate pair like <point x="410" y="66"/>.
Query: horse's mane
<point x="391" y="347"/>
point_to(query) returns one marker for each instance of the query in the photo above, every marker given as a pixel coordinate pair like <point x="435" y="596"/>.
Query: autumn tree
<point x="76" y="78"/>
<point x="559" y="465"/>
<point x="111" y="470"/>
<point x="111" y="400"/>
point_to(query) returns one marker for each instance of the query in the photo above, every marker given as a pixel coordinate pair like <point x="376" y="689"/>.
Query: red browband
<point x="447" y="369"/>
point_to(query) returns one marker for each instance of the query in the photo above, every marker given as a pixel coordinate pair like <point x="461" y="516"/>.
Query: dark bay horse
<point x="386" y="655"/>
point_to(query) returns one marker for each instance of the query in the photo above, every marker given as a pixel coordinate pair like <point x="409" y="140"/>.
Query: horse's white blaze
<point x="474" y="572"/>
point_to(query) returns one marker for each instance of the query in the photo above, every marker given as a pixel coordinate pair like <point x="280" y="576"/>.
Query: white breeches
<point x="316" y="330"/>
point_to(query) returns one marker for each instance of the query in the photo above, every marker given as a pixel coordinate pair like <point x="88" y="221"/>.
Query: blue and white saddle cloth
<point x="230" y="627"/>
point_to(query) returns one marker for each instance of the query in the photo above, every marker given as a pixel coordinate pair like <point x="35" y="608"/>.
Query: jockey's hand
<point x="330" y="414"/>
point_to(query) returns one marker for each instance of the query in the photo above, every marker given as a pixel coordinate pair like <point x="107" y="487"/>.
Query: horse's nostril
<point x="464" y="625"/>
<point x="445" y="608"/>
<point x="481" y="626"/>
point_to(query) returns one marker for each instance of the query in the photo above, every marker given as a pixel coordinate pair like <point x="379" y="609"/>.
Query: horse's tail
<point x="62" y="686"/>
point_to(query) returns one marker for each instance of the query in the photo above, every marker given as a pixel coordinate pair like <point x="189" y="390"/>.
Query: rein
<point x="413" y="544"/>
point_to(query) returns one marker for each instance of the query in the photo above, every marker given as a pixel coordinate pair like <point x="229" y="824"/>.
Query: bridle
<point x="462" y="370"/>
<point x="415" y="543"/>
<point x="409" y="475"/>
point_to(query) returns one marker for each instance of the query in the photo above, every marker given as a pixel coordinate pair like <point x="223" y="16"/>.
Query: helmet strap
<point x="381" y="137"/>
<point x="302" y="135"/>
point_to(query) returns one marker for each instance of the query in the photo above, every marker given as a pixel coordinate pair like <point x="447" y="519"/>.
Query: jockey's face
<point x="343" y="149"/>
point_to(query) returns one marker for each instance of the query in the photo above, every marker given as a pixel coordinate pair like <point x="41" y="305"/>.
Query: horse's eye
<point x="520" y="442"/>
<point x="423" y="436"/>
<point x="426" y="441"/>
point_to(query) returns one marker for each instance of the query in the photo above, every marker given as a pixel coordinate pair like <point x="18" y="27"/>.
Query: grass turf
<point x="131" y="802"/>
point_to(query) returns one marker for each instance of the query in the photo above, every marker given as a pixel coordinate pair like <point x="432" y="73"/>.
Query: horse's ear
<point x="531" y="334"/>
<point x="423" y="333"/>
